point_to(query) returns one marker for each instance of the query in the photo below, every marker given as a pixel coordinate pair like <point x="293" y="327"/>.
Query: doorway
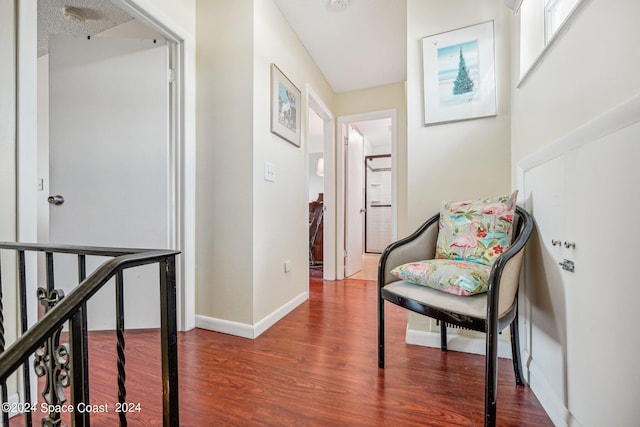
<point x="180" y="146"/>
<point x="321" y="182"/>
<point x="376" y="132"/>
<point x="377" y="219"/>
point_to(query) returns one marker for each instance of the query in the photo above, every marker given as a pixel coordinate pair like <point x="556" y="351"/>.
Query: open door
<point x="109" y="161"/>
<point x="354" y="202"/>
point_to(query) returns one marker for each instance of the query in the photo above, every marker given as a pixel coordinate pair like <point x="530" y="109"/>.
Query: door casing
<point x="181" y="167"/>
<point x="340" y="178"/>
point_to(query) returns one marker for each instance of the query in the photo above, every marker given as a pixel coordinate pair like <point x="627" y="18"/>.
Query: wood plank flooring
<point x="316" y="367"/>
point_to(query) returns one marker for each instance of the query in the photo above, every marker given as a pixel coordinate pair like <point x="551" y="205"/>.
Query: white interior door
<point x="109" y="160"/>
<point x="602" y="314"/>
<point x="545" y="311"/>
<point x="354" y="203"/>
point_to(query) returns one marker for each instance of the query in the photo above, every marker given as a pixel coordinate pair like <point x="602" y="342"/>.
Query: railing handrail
<point x="27" y="343"/>
<point x="74" y="249"/>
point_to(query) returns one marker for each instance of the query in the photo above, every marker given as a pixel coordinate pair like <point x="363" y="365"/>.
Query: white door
<point x="544" y="312"/>
<point x="109" y="160"/>
<point x="602" y="314"/>
<point x="354" y="203"/>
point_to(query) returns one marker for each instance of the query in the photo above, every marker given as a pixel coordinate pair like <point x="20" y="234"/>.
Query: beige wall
<point x="465" y="159"/>
<point x="224" y="160"/>
<point x="280" y="216"/>
<point x="247" y="227"/>
<point x="387" y="97"/>
<point x="460" y="160"/>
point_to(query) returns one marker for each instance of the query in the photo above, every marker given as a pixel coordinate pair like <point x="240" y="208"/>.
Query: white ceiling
<point x="100" y="16"/>
<point x="360" y="46"/>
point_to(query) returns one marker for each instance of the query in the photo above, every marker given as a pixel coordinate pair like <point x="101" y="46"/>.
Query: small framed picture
<point x="459" y="74"/>
<point x="285" y="107"/>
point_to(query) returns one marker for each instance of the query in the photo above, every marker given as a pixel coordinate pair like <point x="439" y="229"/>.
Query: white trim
<point x="182" y="231"/>
<point x="548" y="44"/>
<point x="550" y="401"/>
<point x="26" y="157"/>
<point x="617" y="118"/>
<point x="456" y="342"/>
<point x="224" y="326"/>
<point x="340" y="178"/>
<point x="27" y="146"/>
<point x="183" y="168"/>
<point x="249" y="331"/>
<point x="513" y="5"/>
<point x="315" y="102"/>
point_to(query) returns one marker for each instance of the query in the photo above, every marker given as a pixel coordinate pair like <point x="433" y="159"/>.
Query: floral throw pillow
<point x="476" y="230"/>
<point x="453" y="277"/>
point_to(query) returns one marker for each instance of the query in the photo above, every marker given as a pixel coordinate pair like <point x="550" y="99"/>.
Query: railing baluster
<point x="169" y="337"/>
<point x="64" y="365"/>
<point x="24" y="325"/>
<point x="52" y="358"/>
<point x="50" y="278"/>
<point x="78" y="342"/>
<point x="122" y="376"/>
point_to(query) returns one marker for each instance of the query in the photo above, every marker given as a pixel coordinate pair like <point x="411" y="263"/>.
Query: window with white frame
<point x="556" y="13"/>
<point x="540" y="22"/>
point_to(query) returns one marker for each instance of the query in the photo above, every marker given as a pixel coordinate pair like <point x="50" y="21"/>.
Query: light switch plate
<point x="269" y="172"/>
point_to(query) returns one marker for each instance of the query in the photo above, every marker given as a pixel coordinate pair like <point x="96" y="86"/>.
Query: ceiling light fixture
<point x="74" y="14"/>
<point x="338" y="5"/>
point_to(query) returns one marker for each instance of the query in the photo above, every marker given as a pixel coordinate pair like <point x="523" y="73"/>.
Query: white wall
<point x="130" y="29"/>
<point x="591" y="68"/>
<point x="178" y="19"/>
<point x="460" y="160"/>
<point x="8" y="168"/>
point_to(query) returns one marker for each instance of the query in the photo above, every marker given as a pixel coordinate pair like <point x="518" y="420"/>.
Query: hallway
<point x="316" y="367"/>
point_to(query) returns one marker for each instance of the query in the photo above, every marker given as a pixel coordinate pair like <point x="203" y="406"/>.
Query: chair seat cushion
<point x="453" y="277"/>
<point x="474" y="305"/>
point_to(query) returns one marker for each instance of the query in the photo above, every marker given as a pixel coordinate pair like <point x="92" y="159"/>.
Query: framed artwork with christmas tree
<point x="459" y="74"/>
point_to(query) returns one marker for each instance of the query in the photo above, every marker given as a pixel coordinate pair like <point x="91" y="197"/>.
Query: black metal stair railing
<point x="65" y="366"/>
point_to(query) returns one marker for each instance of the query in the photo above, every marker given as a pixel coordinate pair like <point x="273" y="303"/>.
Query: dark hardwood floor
<point x="316" y="367"/>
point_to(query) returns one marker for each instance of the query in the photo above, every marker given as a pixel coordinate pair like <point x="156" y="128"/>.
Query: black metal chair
<point x="488" y="312"/>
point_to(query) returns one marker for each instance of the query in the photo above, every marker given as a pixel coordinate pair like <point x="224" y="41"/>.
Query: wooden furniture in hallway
<point x="316" y="222"/>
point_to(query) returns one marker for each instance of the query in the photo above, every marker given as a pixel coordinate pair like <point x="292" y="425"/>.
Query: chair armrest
<point x="505" y="273"/>
<point x="418" y="246"/>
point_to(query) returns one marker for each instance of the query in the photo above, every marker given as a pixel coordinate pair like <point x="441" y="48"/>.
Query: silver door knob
<point x="55" y="200"/>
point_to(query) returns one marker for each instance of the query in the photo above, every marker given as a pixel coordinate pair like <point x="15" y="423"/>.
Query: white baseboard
<point x="250" y="331"/>
<point x="456" y="342"/>
<point x="550" y="401"/>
